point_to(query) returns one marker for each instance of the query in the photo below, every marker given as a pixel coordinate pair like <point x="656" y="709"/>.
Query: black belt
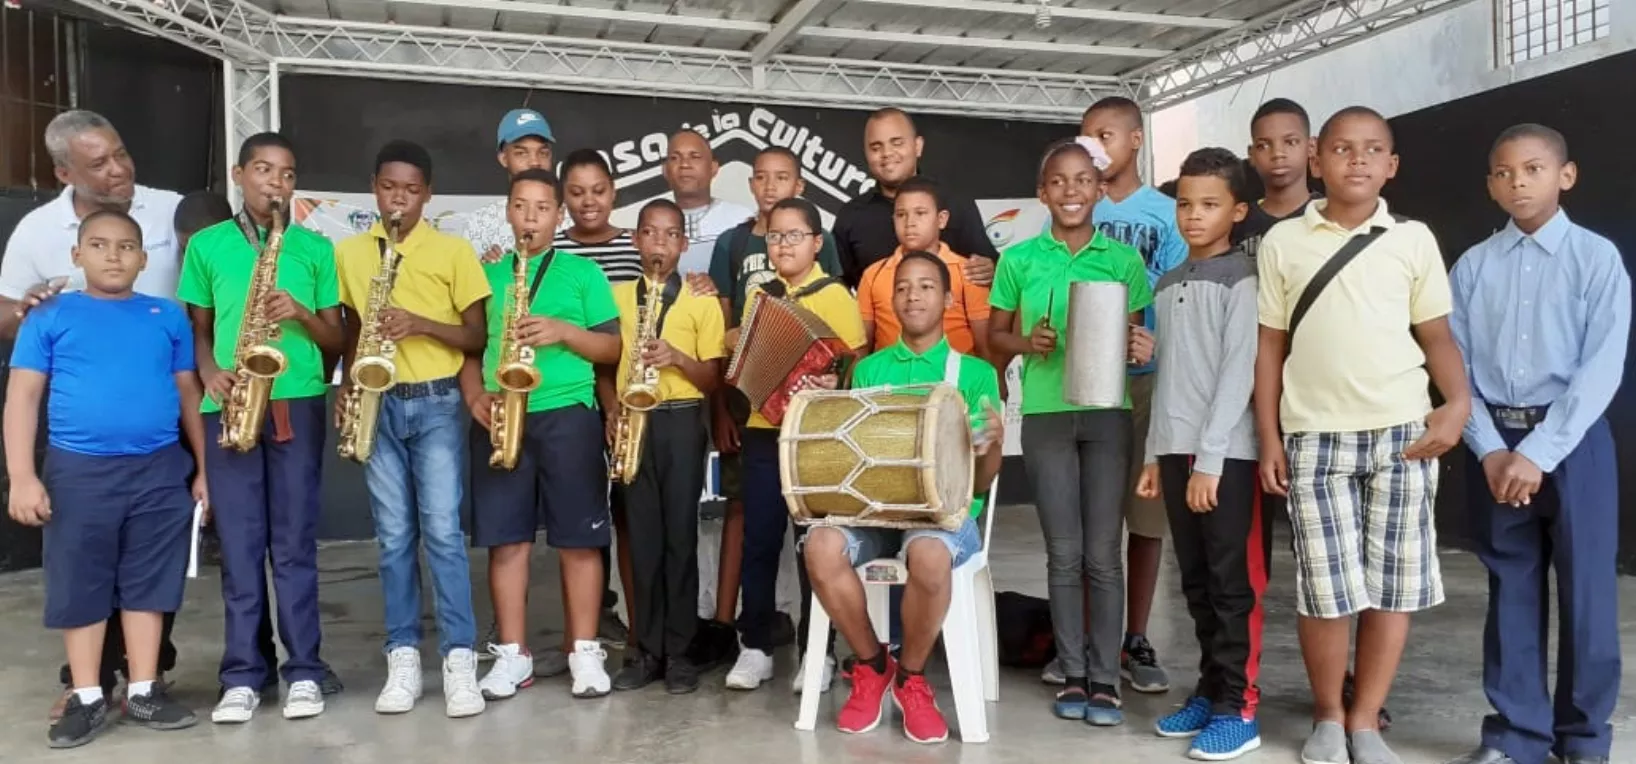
<point x="1518" y="417"/>
<point x="408" y="390"/>
<point x="689" y="403"/>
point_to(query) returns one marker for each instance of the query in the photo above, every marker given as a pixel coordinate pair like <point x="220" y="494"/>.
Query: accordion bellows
<point x="780" y="343"/>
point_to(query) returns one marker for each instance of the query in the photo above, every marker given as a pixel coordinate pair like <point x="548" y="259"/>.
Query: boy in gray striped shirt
<point x="1201" y="454"/>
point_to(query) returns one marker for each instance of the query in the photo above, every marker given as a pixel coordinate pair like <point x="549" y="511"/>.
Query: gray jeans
<point x="1077" y="462"/>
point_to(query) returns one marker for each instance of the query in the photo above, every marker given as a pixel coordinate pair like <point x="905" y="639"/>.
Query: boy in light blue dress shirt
<point x="1542" y="316"/>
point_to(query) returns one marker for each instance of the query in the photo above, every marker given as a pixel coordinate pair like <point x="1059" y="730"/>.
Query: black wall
<point x="163" y="98"/>
<point x="972" y="158"/>
<point x="1444" y="151"/>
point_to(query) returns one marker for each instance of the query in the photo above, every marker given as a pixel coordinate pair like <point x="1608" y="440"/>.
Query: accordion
<point x="780" y="343"/>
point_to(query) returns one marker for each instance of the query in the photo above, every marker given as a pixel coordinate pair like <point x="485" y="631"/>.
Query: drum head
<point x="950" y="446"/>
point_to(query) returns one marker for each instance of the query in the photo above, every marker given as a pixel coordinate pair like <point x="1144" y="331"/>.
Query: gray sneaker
<point x="550" y="662"/>
<point x="1139" y="665"/>
<point x="1052" y="673"/>
<point x="1326" y="745"/>
<point x="1368" y="747"/>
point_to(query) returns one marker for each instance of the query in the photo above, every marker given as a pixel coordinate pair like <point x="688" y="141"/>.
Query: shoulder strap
<point x="814" y="288"/>
<point x="951" y="368"/>
<point x="1347" y="253"/>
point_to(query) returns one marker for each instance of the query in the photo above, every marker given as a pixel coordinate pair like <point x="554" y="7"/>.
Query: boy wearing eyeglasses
<point x="794" y="236"/>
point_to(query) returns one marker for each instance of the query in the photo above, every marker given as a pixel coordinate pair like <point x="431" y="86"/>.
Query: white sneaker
<point x="237" y="705"/>
<point x="461" y="697"/>
<point x="801" y="675"/>
<point x="512" y="671"/>
<point x="588" y="664"/>
<point x="403" y="682"/>
<point x="303" y="701"/>
<point x="753" y="668"/>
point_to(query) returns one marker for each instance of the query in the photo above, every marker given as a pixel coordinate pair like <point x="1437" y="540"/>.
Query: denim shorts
<point x="865" y="544"/>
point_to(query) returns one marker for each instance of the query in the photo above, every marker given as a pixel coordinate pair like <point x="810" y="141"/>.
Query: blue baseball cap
<point x="521" y="123"/>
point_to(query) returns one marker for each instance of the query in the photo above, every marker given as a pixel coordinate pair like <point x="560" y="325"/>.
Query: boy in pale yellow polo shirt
<point x="662" y="503"/>
<point x="436" y="316"/>
<point x="794" y="236"/>
<point x="1347" y="428"/>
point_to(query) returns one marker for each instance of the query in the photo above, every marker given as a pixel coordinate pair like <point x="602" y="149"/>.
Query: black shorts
<point x="560" y="482"/>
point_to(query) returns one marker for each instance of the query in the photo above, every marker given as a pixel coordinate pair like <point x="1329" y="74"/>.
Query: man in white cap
<point x="525" y="143"/>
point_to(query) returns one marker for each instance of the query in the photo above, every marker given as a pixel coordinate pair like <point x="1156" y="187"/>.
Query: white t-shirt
<point x="41" y="248"/>
<point x="705" y="225"/>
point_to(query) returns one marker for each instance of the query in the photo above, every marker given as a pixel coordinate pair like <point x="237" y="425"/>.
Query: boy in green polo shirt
<point x="265" y="500"/>
<point x="921" y="355"/>
<point x="573" y="325"/>
<point x="1077" y="457"/>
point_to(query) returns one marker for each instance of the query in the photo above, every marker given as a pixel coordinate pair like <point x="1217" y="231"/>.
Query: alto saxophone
<point x="641" y="392"/>
<point x="373" y="370"/>
<point x="257" y="361"/>
<point x="515" y="373"/>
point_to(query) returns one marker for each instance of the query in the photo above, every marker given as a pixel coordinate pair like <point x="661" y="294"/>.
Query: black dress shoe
<point x="640" y="670"/>
<point x="681" y="676"/>
<point x="1484" y="755"/>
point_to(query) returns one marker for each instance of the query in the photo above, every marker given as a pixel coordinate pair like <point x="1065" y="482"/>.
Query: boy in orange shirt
<point x="919" y="217"/>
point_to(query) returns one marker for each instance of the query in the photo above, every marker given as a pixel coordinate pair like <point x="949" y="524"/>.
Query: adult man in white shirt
<point x="690" y="168"/>
<point x="97" y="173"/>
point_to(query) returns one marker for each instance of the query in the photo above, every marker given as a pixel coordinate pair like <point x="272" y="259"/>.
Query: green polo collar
<point x="935" y="354"/>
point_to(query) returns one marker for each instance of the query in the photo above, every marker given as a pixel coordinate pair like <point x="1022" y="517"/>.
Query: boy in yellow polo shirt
<point x="662" y="503"/>
<point x="435" y="315"/>
<point x="795" y="233"/>
<point x="1347" y="427"/>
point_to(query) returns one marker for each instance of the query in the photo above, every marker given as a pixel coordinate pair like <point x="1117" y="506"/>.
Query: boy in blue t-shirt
<point x="1144" y="218"/>
<point x="113" y="498"/>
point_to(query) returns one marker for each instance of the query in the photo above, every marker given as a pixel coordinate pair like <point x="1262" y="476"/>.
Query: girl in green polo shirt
<point x="1077" y="457"/>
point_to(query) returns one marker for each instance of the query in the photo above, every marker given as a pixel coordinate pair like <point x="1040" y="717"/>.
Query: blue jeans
<point x="414" y="495"/>
<point x="864" y="543"/>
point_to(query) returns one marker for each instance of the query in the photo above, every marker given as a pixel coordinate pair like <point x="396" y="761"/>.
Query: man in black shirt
<point x="1280" y="152"/>
<point x="863" y="229"/>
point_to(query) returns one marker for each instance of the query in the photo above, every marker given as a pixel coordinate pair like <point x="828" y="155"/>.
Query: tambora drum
<point x="891" y="457"/>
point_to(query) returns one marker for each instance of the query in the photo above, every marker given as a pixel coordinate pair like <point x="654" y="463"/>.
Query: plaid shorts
<point x="1362" y="516"/>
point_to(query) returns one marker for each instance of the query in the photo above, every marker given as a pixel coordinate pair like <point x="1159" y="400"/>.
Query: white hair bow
<point x="1099" y="154"/>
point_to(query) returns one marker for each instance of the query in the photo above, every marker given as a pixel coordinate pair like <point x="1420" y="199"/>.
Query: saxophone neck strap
<point x="539" y="275"/>
<point x="247" y="226"/>
<point x="667" y="298"/>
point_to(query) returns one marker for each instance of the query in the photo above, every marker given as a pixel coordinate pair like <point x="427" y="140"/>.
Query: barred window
<point x="1530" y="29"/>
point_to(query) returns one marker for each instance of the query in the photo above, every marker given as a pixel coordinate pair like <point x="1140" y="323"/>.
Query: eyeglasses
<point x="775" y="238"/>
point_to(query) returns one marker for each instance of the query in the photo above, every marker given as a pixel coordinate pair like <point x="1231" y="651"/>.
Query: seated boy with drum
<point x="922" y="355"/>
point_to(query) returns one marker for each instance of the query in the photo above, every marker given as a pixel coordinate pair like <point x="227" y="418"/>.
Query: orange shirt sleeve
<point x="866" y="291"/>
<point x="975" y="298"/>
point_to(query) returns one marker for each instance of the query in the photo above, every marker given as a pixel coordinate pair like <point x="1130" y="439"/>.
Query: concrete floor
<point x="1438" y="700"/>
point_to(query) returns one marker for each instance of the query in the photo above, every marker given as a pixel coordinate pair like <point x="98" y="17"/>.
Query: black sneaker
<point x="611" y="631"/>
<point x="640" y="671"/>
<point x="80" y="723"/>
<point x="681" y="677"/>
<point x="331" y="683"/>
<point x="157" y="710"/>
<point x="714" y="644"/>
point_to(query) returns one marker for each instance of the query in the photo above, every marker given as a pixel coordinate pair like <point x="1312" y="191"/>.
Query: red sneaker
<point x="922" y="722"/>
<point x="867" y="703"/>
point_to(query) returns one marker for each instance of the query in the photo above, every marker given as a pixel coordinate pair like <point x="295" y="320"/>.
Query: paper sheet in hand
<point x="193" y="544"/>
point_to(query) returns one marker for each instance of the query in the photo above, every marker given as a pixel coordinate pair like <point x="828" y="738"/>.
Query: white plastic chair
<point x="969" y="637"/>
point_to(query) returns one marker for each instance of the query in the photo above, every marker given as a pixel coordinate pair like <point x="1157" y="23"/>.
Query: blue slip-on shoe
<point x="1187" y="721"/>
<point x="1070" y="704"/>
<point x="1226" y="737"/>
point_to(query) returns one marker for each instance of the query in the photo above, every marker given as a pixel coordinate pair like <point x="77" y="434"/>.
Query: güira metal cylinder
<point x="1097" y="336"/>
